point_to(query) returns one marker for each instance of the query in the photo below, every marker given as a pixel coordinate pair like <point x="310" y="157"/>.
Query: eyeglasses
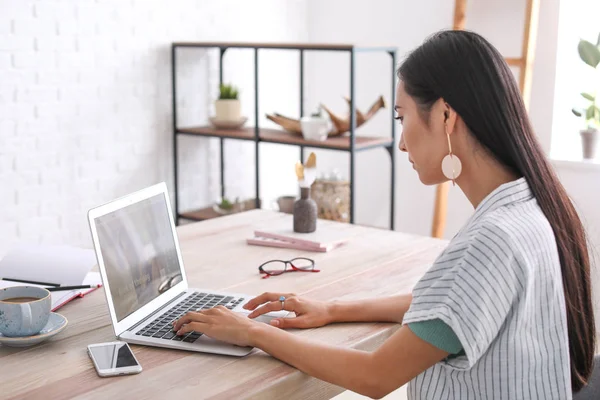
<point x="278" y="267"/>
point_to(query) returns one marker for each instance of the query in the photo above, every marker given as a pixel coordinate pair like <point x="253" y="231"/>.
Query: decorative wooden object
<point x="341" y="125"/>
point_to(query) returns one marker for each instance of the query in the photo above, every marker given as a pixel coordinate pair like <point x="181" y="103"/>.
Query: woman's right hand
<point x="309" y="313"/>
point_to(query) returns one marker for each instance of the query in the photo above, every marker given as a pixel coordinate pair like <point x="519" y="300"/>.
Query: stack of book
<point x="318" y="241"/>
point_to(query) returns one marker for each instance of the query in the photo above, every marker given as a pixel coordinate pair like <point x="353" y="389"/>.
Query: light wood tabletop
<point x="374" y="262"/>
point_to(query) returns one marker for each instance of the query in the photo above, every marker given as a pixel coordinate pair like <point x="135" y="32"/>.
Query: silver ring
<point x="282" y="300"/>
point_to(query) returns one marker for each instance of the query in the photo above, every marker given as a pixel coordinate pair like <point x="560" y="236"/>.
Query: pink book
<point x="64" y="301"/>
<point x="314" y="239"/>
<point x="322" y="239"/>
<point x="59" y="299"/>
<point x="269" y="242"/>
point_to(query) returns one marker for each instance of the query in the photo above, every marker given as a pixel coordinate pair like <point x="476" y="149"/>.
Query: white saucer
<point x="56" y="323"/>
<point x="222" y="124"/>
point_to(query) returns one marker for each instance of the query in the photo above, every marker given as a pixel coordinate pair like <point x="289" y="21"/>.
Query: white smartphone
<point x="113" y="359"/>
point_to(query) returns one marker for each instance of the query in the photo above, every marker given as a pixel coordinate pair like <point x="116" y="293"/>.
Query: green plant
<point x="226" y="204"/>
<point x="590" y="54"/>
<point x="228" y="92"/>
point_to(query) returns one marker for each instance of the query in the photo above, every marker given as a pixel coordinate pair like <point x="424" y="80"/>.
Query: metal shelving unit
<point x="348" y="143"/>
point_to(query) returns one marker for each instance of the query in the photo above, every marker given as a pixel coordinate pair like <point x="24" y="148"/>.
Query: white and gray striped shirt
<point x="498" y="286"/>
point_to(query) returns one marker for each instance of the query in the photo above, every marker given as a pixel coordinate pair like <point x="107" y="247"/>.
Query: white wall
<point x="405" y="24"/>
<point x="85" y="104"/>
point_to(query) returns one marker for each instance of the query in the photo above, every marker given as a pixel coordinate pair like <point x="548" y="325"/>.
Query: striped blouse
<point x="498" y="286"/>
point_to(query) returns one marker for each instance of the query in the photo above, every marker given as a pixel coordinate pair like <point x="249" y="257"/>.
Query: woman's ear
<point x="449" y="118"/>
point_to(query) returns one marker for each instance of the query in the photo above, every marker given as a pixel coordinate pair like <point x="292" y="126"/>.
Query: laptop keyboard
<point x="162" y="327"/>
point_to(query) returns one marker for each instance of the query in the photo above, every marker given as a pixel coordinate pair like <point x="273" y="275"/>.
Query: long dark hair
<point x="472" y="77"/>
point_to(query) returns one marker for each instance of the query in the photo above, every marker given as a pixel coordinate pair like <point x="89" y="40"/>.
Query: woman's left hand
<point x="218" y="323"/>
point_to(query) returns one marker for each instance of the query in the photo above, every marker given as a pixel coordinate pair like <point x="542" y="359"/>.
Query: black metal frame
<point x="352" y="150"/>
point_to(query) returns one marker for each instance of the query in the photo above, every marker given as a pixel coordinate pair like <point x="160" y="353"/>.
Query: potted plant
<point x="226" y="206"/>
<point x="227" y="107"/>
<point x="590" y="136"/>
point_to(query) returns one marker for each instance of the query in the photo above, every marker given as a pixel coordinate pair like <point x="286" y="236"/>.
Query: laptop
<point x="144" y="278"/>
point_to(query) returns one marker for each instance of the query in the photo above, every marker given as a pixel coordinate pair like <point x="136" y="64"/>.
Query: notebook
<point x="270" y="242"/>
<point x="61" y="298"/>
<point x="62" y="265"/>
<point x="324" y="239"/>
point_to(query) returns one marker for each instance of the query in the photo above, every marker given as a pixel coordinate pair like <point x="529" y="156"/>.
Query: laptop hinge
<point x="151" y="316"/>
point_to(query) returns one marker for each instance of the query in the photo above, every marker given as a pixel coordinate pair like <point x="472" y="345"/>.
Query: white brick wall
<point x="85" y="105"/>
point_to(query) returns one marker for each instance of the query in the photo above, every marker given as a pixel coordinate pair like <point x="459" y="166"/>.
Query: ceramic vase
<point x="305" y="213"/>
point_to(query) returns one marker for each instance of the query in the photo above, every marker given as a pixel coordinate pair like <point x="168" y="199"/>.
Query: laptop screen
<point x="139" y="253"/>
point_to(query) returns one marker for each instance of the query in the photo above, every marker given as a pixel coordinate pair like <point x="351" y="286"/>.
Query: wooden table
<point x="374" y="263"/>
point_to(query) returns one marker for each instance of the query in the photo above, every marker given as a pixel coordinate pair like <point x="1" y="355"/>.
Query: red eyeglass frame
<point x="285" y="269"/>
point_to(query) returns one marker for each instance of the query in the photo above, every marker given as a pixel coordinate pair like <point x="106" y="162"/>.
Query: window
<point x="578" y="19"/>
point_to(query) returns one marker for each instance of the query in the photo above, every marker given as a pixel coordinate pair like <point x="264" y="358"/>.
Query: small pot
<point x="285" y="204"/>
<point x="590" y="140"/>
<point x="228" y="110"/>
<point x="314" y="128"/>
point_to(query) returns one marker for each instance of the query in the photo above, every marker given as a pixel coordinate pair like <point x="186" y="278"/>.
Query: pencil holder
<point x="305" y="212"/>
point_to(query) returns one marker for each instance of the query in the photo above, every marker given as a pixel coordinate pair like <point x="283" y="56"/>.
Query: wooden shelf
<point x="284" y="137"/>
<point x="276" y="134"/>
<point x="242" y="133"/>
<point x="209" y="213"/>
<point x="337" y="143"/>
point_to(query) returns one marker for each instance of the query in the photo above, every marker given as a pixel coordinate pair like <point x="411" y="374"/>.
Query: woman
<point x="505" y="311"/>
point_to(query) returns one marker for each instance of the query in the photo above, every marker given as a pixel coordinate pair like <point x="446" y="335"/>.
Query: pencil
<point x="56" y="289"/>
<point x="32" y="282"/>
